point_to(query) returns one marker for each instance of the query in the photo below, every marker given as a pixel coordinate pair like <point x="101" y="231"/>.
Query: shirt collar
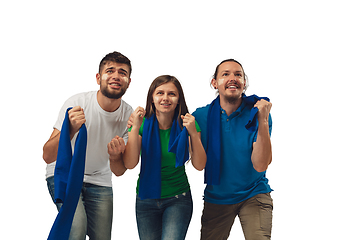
<point x="237" y="112"/>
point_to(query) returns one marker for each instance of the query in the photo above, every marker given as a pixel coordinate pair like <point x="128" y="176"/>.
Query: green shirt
<point x="173" y="180"/>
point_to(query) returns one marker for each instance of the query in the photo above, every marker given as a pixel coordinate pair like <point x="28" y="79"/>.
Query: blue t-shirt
<point x="238" y="178"/>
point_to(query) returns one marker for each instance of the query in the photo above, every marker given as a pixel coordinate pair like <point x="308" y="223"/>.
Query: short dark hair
<point x="181" y="108"/>
<point x="115" y="57"/>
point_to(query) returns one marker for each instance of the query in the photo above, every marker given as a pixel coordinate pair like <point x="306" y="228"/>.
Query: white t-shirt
<point x="101" y="127"/>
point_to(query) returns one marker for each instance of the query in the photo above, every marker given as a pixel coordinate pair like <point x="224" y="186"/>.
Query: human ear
<point x="98" y="78"/>
<point x="214" y="83"/>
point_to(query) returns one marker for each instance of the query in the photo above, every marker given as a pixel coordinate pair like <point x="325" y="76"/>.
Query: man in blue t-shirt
<point x="237" y="158"/>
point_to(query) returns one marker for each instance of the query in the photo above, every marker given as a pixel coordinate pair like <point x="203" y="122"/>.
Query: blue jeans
<point x="165" y="219"/>
<point x="94" y="213"/>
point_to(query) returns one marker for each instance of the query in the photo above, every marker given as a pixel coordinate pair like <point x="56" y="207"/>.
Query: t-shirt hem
<point x="227" y="202"/>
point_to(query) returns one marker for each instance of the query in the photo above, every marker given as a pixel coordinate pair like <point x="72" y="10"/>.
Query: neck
<point x="230" y="106"/>
<point x="108" y="104"/>
<point x="164" y="120"/>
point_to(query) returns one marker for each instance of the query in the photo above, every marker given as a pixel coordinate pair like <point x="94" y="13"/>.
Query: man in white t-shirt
<point x="105" y="115"/>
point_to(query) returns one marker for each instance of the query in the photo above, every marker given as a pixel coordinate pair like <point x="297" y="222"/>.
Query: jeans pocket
<point x="184" y="197"/>
<point x="265" y="210"/>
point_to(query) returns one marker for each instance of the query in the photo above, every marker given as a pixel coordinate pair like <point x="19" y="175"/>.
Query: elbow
<point x="130" y="162"/>
<point x="118" y="174"/>
<point x="199" y="166"/>
<point x="129" y="165"/>
<point x="260" y="168"/>
<point x="47" y="157"/>
<point x="118" y="169"/>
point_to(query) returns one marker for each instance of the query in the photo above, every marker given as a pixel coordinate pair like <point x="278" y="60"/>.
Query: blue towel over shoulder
<point x="68" y="178"/>
<point x="252" y="124"/>
<point x="213" y="150"/>
<point x="150" y="170"/>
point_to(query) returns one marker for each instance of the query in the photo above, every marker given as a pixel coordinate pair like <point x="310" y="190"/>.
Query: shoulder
<point x="83" y="95"/>
<point x="124" y="111"/>
<point x="201" y="112"/>
<point x="80" y="99"/>
<point x="126" y="107"/>
<point x="200" y="115"/>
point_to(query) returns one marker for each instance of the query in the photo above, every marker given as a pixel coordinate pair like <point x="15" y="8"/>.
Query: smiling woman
<point x="164" y="203"/>
<point x="304" y="55"/>
<point x="165" y="99"/>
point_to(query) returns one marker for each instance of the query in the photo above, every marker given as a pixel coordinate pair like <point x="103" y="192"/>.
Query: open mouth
<point x="232" y="86"/>
<point x="166" y="105"/>
<point x="115" y="85"/>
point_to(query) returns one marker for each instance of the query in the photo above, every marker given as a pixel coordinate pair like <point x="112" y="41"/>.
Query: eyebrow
<point x="113" y="68"/>
<point x="229" y="71"/>
<point x="162" y="90"/>
<point x="123" y="70"/>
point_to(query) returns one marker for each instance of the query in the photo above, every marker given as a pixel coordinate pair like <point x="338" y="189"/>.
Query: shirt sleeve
<point x="197" y="126"/>
<point x="68" y="103"/>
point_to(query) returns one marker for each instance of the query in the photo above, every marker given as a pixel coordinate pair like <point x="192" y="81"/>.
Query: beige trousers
<point x="255" y="217"/>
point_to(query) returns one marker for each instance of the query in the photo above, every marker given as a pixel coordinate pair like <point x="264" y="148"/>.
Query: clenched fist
<point x="137" y="117"/>
<point x="264" y="109"/>
<point x="189" y="123"/>
<point x="76" y="118"/>
<point x="116" y="147"/>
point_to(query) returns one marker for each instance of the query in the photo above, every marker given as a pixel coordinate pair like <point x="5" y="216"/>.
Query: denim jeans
<point x="94" y="212"/>
<point x="164" y="219"/>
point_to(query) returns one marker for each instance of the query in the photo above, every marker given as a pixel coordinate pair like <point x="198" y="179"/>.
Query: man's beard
<point x="115" y="95"/>
<point x="232" y="99"/>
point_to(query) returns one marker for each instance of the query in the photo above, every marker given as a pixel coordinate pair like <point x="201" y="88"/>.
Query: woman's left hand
<point x="189" y="123"/>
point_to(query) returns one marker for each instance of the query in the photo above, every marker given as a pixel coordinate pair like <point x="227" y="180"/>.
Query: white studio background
<point x="303" y="55"/>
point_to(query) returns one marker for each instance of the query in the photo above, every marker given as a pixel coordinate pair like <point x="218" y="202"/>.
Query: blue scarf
<point x="68" y="179"/>
<point x="150" y="170"/>
<point x="213" y="149"/>
<point x="252" y="124"/>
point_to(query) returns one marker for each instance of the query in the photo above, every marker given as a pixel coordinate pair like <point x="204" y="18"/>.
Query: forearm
<point x="198" y="155"/>
<point x="117" y="165"/>
<point x="132" y="149"/>
<point x="262" y="154"/>
<point x="50" y="148"/>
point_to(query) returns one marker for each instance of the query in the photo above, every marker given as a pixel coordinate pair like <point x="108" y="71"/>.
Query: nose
<point x="117" y="75"/>
<point x="233" y="77"/>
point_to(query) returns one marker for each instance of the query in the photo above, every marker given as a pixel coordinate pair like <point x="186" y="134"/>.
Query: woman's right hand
<point x="137" y="117"/>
